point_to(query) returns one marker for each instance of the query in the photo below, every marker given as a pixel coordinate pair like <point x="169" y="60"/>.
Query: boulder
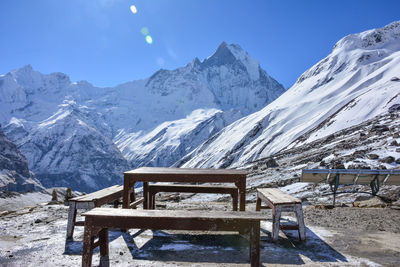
<point x="388" y="160"/>
<point x="373" y="156"/>
<point x="374" y="202"/>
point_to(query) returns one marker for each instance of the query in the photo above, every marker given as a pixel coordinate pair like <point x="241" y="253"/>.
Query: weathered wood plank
<point x="115" y="213"/>
<point x="277" y="197"/>
<point x="99" y="194"/>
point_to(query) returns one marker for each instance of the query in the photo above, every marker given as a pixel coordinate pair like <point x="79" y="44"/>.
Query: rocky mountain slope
<point x="359" y="80"/>
<point x="14" y="171"/>
<point x="168" y="142"/>
<point x="69" y="149"/>
<point x="153" y="121"/>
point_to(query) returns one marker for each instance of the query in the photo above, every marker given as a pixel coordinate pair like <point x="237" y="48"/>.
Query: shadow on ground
<point x="218" y="248"/>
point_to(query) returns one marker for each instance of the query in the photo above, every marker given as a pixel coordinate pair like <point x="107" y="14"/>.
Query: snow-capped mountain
<point x="14" y="171"/>
<point x="229" y="79"/>
<point x="356" y="82"/>
<point x="153" y="120"/>
<point x="69" y="149"/>
<point x="171" y="140"/>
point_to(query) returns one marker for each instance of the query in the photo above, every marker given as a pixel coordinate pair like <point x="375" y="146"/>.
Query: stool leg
<point x="300" y="222"/>
<point x="71" y="219"/>
<point x="276" y="218"/>
<point x="103" y="240"/>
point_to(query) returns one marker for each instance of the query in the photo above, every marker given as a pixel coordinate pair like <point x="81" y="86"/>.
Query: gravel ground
<point x="360" y="219"/>
<point x="343" y="236"/>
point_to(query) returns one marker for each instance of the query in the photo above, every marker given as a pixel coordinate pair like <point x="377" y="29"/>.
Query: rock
<point x="3" y="213"/>
<point x="388" y="160"/>
<point x="373" y="156"/>
<point x="38" y="221"/>
<point x="359" y="154"/>
<point x="397" y="161"/>
<point x="374" y="202"/>
<point x="380" y="128"/>
<point x="394" y="143"/>
<point x="363" y="198"/>
<point x="339" y="165"/>
<point x="394" y="108"/>
<point x="323" y="207"/>
<point x="271" y="163"/>
<point x="395" y="205"/>
<point x="397" y="149"/>
<point x="395" y="79"/>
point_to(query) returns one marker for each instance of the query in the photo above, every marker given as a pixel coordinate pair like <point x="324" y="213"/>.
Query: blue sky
<point x="101" y="41"/>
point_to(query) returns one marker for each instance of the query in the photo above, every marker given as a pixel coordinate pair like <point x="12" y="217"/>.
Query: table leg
<point x="126" y="196"/>
<point x="146" y="195"/>
<point x="255" y="244"/>
<point x="241" y="185"/>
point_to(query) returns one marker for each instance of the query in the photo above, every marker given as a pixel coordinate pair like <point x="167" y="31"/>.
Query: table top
<point x="184" y="174"/>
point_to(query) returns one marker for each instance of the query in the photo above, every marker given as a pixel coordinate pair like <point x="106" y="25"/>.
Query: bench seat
<point x="99" y="220"/>
<point x="96" y="199"/>
<point x="279" y="202"/>
<point x="184" y="188"/>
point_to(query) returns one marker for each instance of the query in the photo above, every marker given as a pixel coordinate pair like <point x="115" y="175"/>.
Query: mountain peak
<point x="223" y="56"/>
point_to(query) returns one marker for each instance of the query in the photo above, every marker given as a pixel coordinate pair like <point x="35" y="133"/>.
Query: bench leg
<point x="300" y="222"/>
<point x="258" y="204"/>
<point x="255" y="244"/>
<point x="276" y="218"/>
<point x="235" y="198"/>
<point x="103" y="241"/>
<point x="146" y="195"/>
<point x="152" y="199"/>
<point x="71" y="219"/>
<point x="116" y="202"/>
<point x="88" y="238"/>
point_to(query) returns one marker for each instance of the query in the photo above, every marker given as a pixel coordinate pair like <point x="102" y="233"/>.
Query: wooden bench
<point x="335" y="177"/>
<point x="96" y="199"/>
<point x="99" y="220"/>
<point x="211" y="189"/>
<point x="280" y="202"/>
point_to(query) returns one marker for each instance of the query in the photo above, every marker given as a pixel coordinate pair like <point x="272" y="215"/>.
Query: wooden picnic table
<point x="181" y="175"/>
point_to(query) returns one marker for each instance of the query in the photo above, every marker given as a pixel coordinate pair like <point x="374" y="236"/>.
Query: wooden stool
<point x="280" y="202"/>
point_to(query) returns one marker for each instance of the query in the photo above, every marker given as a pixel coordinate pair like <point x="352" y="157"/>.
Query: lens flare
<point x="145" y="31"/>
<point x="133" y="9"/>
<point x="149" y="40"/>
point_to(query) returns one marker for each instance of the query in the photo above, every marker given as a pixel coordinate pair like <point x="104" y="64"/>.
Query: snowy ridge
<point x="354" y="83"/>
<point x="170" y="141"/>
